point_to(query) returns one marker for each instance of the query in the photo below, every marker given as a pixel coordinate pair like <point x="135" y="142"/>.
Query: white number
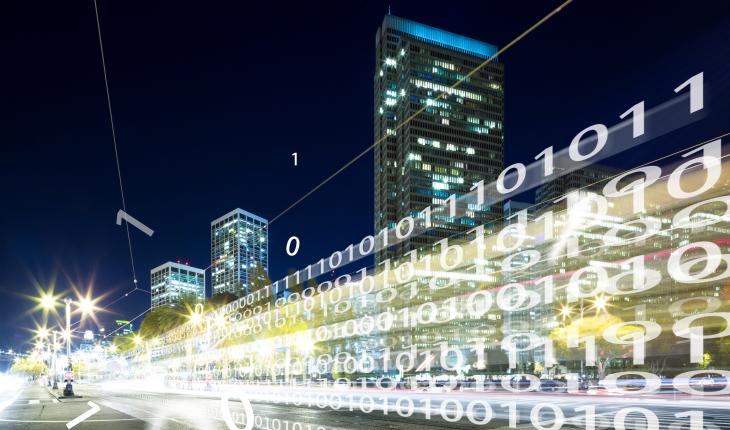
<point x="710" y="160"/>
<point x="637" y="115"/>
<point x="635" y="188"/>
<point x="696" y="91"/>
<point x="680" y="271"/>
<point x="225" y="411"/>
<point x="521" y="172"/>
<point x="296" y="247"/>
<point x="601" y="138"/>
<point x="548" y="165"/>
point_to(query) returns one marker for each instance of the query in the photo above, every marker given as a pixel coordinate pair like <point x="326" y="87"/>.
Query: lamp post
<point x="68" y="330"/>
<point x="86" y="306"/>
<point x="50" y="362"/>
<point x="69" y="389"/>
<point x="55" y="353"/>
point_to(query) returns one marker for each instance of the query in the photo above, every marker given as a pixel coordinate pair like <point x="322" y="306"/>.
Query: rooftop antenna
<point x="388" y="9"/>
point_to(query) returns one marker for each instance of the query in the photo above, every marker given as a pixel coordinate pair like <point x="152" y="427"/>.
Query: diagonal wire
<point x="114" y="139"/>
<point x="423" y="108"/>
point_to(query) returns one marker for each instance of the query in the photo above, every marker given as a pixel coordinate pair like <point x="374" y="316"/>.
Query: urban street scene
<point x="378" y="215"/>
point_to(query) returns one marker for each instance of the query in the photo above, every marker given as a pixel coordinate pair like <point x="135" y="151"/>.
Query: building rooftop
<point x="441" y="38"/>
<point x="239" y="211"/>
<point x="179" y="266"/>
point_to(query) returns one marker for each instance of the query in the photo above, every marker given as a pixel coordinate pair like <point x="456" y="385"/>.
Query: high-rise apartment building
<point x="171" y="282"/>
<point x="239" y="250"/>
<point x="454" y="143"/>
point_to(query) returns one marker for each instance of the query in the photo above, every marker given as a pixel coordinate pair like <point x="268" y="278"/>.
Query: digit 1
<point x="512" y="411"/>
<point x="549" y="288"/>
<point x="452" y="205"/>
<point x="637" y="116"/>
<point x="590" y="416"/>
<point x="696" y="92"/>
<point x="696" y="419"/>
<point x="548" y="224"/>
<point x="548" y="165"/>
<point x="480" y="192"/>
<point x="294" y="154"/>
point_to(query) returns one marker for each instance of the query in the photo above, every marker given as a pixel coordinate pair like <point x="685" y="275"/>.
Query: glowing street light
<point x="196" y="318"/>
<point x="48" y="302"/>
<point x="43" y="333"/>
<point x="220" y="320"/>
<point x="86" y="306"/>
<point x="565" y="311"/>
<point x="137" y="339"/>
<point x="600" y="303"/>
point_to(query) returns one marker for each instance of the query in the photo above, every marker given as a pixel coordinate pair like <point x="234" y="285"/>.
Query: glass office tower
<point x="239" y="250"/>
<point x="454" y="143"/>
<point x="171" y="282"/>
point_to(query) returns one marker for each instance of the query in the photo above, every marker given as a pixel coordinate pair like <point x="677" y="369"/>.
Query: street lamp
<point x="69" y="389"/>
<point x="55" y="354"/>
<point x="86" y="306"/>
<point x="42" y="333"/>
<point x="600" y="303"/>
<point x="48" y="302"/>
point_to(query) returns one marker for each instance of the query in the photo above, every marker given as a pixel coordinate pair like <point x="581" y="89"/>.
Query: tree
<point x="706" y="361"/>
<point x="32" y="365"/>
<point x="221" y="299"/>
<point x="591" y="326"/>
<point x="124" y="343"/>
<point x="165" y="318"/>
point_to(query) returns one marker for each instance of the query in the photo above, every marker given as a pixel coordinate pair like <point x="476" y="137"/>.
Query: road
<point x="140" y="406"/>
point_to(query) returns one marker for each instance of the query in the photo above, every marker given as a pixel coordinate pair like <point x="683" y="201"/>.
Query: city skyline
<point x="108" y="269"/>
<point x="410" y="215"/>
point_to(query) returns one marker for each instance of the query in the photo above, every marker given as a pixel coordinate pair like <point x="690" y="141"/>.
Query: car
<point x="551" y="385"/>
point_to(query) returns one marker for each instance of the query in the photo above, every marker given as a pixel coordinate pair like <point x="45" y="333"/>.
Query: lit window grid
<point x="172" y="281"/>
<point x="239" y="242"/>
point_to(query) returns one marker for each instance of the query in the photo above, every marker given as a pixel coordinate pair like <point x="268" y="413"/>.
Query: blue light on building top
<point x="441" y="37"/>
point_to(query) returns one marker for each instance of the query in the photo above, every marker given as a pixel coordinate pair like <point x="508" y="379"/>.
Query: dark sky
<point x="211" y="98"/>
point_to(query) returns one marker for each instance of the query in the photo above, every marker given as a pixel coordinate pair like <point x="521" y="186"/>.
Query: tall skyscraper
<point x="171" y="282"/>
<point x="239" y="250"/>
<point x="454" y="143"/>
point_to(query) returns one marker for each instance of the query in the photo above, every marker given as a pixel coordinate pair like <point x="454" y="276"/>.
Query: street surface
<point x="136" y="406"/>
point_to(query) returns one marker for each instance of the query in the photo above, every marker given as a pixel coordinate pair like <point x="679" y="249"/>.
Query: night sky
<point x="211" y="98"/>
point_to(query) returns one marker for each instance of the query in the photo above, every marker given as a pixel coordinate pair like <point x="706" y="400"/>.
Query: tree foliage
<point x="124" y="343"/>
<point x="32" y="366"/>
<point x="591" y="326"/>
<point x="165" y="318"/>
<point x="221" y="299"/>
